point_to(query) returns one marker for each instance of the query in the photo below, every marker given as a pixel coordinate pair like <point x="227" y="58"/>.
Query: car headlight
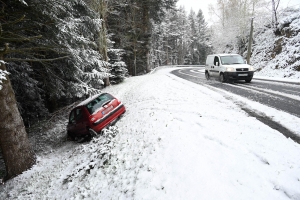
<point x="230" y="69"/>
<point x="251" y="68"/>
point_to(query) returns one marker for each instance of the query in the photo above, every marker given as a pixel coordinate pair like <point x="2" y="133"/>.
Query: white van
<point x="228" y="67"/>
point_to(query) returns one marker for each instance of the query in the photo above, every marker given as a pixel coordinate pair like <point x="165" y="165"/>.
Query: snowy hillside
<point x="279" y="55"/>
<point x="177" y="140"/>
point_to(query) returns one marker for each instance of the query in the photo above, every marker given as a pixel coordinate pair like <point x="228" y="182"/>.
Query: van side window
<point x="216" y="60"/>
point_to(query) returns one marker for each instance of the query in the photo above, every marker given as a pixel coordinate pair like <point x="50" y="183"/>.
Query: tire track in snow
<point x="251" y="112"/>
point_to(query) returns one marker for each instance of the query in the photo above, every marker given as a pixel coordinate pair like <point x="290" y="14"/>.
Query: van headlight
<point x="251" y="68"/>
<point x="230" y="69"/>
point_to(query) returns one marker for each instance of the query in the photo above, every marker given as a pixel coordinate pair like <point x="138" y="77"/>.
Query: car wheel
<point x="248" y="80"/>
<point x="207" y="75"/>
<point x="92" y="132"/>
<point x="71" y="136"/>
<point x="222" y="79"/>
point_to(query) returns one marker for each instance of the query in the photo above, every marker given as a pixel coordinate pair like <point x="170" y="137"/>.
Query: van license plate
<point x="242" y="74"/>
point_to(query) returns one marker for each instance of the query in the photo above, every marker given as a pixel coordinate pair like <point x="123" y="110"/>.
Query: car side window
<point x="72" y="117"/>
<point x="79" y="114"/>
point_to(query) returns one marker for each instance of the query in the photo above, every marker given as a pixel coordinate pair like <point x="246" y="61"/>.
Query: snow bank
<point x="279" y="56"/>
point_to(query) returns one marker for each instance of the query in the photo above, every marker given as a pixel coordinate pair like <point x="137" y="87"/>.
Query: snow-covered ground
<point x="177" y="140"/>
<point x="279" y="56"/>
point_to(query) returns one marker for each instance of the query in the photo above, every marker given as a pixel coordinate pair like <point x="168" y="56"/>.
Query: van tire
<point x="248" y="80"/>
<point x="222" y="78"/>
<point x="207" y="76"/>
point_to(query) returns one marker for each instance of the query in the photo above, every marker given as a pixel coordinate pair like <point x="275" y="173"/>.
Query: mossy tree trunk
<point x="16" y="150"/>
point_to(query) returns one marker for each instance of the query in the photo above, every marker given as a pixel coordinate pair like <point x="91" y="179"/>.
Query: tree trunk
<point x="250" y="42"/>
<point x="274" y="14"/>
<point x="103" y="33"/>
<point x="16" y="150"/>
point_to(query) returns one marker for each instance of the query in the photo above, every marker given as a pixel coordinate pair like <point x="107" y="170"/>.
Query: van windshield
<point x="232" y="59"/>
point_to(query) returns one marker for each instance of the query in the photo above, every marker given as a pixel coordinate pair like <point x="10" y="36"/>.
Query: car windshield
<point x="98" y="102"/>
<point x="232" y="59"/>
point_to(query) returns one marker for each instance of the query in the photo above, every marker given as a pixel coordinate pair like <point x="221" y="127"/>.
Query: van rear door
<point x="210" y="64"/>
<point x="216" y="66"/>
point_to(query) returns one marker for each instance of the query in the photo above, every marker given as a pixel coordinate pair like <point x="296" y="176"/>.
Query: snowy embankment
<point x="279" y="56"/>
<point x="177" y="140"/>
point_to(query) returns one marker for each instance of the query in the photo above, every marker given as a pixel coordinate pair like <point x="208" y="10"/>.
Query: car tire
<point x="92" y="132"/>
<point x="207" y="76"/>
<point x="248" y="80"/>
<point x="222" y="78"/>
<point x="71" y="136"/>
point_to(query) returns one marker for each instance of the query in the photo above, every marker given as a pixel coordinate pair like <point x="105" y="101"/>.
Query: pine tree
<point x="16" y="150"/>
<point x="129" y="23"/>
<point x="52" y="47"/>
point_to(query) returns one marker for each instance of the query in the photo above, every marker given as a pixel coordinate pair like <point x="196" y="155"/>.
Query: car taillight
<point x="93" y="119"/>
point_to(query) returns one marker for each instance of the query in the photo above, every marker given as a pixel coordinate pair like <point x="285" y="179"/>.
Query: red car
<point x="94" y="114"/>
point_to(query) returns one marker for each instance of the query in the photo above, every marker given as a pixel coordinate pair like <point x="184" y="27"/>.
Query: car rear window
<point x="98" y="102"/>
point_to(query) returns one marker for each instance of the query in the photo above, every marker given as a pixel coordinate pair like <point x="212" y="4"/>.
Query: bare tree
<point x="275" y="5"/>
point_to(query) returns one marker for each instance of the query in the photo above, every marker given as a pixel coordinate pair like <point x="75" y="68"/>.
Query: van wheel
<point x="207" y="75"/>
<point x="222" y="79"/>
<point x="248" y="80"/>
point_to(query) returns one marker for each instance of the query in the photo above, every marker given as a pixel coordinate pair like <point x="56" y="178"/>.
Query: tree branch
<point x="16" y="21"/>
<point x="33" y="60"/>
<point x="20" y="39"/>
<point x="32" y="49"/>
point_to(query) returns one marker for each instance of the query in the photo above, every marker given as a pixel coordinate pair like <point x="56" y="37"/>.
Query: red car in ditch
<point x="94" y="114"/>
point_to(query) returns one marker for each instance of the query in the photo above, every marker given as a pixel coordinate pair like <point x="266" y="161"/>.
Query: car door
<point x="72" y="122"/>
<point x="80" y="121"/>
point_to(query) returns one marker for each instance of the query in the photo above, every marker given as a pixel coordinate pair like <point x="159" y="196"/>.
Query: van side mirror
<point x="217" y="63"/>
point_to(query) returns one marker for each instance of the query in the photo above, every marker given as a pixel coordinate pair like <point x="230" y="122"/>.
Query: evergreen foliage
<point x="130" y="27"/>
<point x="118" y="68"/>
<point x="60" y="61"/>
<point x="180" y="38"/>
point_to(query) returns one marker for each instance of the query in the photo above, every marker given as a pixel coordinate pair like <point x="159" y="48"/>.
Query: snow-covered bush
<point x="118" y="72"/>
<point x="98" y="153"/>
<point x="118" y="68"/>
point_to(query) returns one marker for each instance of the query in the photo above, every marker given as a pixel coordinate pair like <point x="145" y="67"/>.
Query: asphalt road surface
<point x="281" y="96"/>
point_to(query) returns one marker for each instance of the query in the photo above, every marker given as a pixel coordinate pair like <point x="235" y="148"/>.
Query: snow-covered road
<point x="177" y="140"/>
